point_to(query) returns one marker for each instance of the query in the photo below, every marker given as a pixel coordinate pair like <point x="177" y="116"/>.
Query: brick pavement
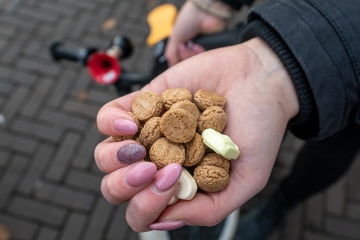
<point x="49" y="184"/>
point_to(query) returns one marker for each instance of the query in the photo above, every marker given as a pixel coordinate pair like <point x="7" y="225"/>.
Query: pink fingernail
<point x="131" y="153"/>
<point x="182" y="47"/>
<point x="140" y="174"/>
<point x="169" y="225"/>
<point x="167" y="177"/>
<point x="190" y="45"/>
<point x="198" y="49"/>
<point x="125" y="126"/>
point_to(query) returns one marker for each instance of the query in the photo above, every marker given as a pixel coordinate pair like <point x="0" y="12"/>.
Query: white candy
<point x="187" y="187"/>
<point x="173" y="200"/>
<point x="220" y="143"/>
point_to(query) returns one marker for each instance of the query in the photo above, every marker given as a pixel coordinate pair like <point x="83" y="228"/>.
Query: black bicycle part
<point x="127" y="81"/>
<point x="124" y="44"/>
<point x="60" y="51"/>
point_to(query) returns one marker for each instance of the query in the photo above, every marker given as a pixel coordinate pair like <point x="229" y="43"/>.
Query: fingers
<point x="190" y="49"/>
<point x="119" y="186"/>
<point x="148" y="191"/>
<point x="208" y="209"/>
<point x="125" y="183"/>
<point x="194" y="212"/>
<point x="171" y="52"/>
<point x="110" y="156"/>
<point x="113" y="118"/>
<point x="146" y="206"/>
<point x="181" y="51"/>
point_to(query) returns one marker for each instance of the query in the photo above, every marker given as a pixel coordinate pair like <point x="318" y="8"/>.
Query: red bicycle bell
<point x="103" y="68"/>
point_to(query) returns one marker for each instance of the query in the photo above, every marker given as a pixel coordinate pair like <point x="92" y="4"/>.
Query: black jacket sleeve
<point x="237" y="4"/>
<point x="318" y="42"/>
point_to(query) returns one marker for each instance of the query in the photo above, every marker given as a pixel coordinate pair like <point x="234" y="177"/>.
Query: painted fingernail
<point x="190" y="45"/>
<point x="140" y="174"/>
<point x="182" y="47"/>
<point x="167" y="177"/>
<point x="125" y="126"/>
<point x="131" y="153"/>
<point x="168" y="225"/>
<point x="197" y="49"/>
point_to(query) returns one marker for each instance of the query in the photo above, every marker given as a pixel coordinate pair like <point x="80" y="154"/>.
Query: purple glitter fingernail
<point x="131" y="153"/>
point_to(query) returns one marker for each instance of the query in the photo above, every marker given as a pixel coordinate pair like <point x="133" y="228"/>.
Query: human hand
<point x="261" y="99"/>
<point x="190" y="22"/>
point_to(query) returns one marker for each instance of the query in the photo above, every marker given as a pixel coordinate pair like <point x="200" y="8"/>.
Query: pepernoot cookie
<point x="147" y="105"/>
<point x="211" y="178"/>
<point x="173" y="95"/>
<point x="204" y="99"/>
<point x="194" y="151"/>
<point x="164" y="152"/>
<point x="178" y="125"/>
<point x="150" y="132"/>
<point x="122" y="138"/>
<point x="189" y="106"/>
<point x="214" y="159"/>
<point x="213" y="117"/>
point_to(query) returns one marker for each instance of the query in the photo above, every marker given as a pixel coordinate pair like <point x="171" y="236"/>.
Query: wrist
<point x="307" y="117"/>
<point x="214" y="7"/>
<point x="275" y="77"/>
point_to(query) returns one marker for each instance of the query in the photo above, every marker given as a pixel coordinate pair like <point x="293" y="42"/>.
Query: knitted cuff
<point x="211" y="7"/>
<point x="236" y="5"/>
<point x="307" y="113"/>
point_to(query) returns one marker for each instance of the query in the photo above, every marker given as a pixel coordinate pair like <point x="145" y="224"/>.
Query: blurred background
<point x="49" y="183"/>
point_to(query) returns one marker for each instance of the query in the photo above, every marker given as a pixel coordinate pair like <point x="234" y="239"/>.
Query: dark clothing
<point x="237" y="4"/>
<point x="320" y="39"/>
<point x="321" y="163"/>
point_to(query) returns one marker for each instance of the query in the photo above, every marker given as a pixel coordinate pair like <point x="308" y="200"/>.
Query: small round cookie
<point x="178" y="125"/>
<point x="150" y="132"/>
<point x="189" y="106"/>
<point x="194" y="151"/>
<point x="214" y="159"/>
<point x="135" y="118"/>
<point x="211" y="178"/>
<point x="173" y="95"/>
<point x="122" y="138"/>
<point x="204" y="99"/>
<point x="213" y="117"/>
<point x="127" y="137"/>
<point x="147" y="105"/>
<point x="164" y="152"/>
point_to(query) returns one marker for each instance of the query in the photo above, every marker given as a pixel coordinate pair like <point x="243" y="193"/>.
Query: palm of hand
<point x="252" y="123"/>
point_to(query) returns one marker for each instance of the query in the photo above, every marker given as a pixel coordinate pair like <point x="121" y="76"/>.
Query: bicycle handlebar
<point x="218" y="40"/>
<point x="60" y="51"/>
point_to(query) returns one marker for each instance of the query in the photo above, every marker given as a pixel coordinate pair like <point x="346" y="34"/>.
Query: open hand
<point x="261" y="100"/>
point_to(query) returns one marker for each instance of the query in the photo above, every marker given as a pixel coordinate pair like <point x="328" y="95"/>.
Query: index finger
<point x="114" y="119"/>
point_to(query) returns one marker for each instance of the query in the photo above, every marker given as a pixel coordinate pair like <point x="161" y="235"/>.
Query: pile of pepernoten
<point x="178" y="127"/>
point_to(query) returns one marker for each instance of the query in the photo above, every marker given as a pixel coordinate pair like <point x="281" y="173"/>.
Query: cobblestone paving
<point x="49" y="184"/>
